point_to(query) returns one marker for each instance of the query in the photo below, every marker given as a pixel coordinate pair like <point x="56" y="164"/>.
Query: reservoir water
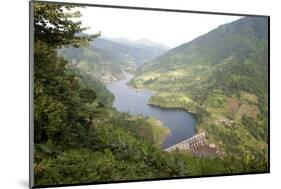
<point x="127" y="99"/>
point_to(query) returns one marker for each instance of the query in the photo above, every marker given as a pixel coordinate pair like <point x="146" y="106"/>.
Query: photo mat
<point x="122" y="94"/>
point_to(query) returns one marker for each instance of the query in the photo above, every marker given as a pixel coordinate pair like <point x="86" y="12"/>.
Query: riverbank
<point x="164" y="105"/>
<point x="172" y="108"/>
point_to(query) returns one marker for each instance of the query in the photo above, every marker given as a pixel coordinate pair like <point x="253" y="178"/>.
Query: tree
<point x="87" y="95"/>
<point x="54" y="25"/>
<point x="60" y="110"/>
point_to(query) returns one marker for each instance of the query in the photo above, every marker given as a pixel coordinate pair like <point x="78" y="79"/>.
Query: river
<point x="127" y="99"/>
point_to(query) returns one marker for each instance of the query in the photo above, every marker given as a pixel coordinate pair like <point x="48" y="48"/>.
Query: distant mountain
<point x="105" y="59"/>
<point x="222" y="76"/>
<point x="137" y="52"/>
<point x="142" y="43"/>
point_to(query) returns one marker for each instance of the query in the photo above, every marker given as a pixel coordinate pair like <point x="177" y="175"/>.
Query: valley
<point x="106" y="59"/>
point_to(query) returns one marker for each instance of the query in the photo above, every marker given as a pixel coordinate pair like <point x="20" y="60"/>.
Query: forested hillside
<point x="221" y="76"/>
<point x="78" y="138"/>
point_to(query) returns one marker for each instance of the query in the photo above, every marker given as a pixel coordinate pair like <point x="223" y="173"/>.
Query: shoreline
<point x="174" y="108"/>
<point x="129" y="77"/>
<point x="157" y="105"/>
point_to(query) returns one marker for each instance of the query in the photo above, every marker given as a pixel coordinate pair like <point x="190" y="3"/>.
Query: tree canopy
<point x="55" y="25"/>
<point x="59" y="99"/>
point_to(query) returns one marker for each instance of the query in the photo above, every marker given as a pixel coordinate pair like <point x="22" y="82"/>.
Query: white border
<point x="14" y="80"/>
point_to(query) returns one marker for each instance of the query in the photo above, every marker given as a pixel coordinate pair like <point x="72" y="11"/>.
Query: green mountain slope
<point x="106" y="59"/>
<point x="222" y="76"/>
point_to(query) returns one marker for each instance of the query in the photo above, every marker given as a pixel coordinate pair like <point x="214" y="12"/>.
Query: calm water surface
<point x="181" y="123"/>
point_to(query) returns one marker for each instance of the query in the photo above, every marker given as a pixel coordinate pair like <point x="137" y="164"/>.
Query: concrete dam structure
<point x="192" y="143"/>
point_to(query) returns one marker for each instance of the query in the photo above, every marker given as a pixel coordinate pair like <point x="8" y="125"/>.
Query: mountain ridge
<point x="223" y="29"/>
<point x="141" y="42"/>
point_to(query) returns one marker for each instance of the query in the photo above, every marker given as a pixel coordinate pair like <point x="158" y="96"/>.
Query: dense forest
<point x="80" y="138"/>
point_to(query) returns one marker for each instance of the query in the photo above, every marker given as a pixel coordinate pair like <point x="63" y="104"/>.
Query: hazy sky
<point x="168" y="28"/>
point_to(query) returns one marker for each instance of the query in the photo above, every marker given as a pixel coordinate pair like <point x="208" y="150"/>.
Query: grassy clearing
<point x="170" y="100"/>
<point x="158" y="130"/>
<point x="151" y="129"/>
